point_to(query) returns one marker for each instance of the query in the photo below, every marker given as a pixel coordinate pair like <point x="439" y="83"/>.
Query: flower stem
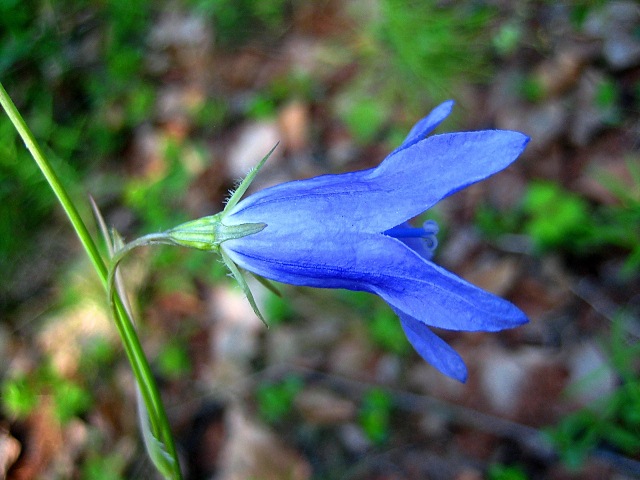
<point x="140" y="366"/>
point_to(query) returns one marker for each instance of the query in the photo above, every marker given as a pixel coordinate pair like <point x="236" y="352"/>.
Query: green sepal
<point x="244" y="185"/>
<point x="207" y="233"/>
<point x="268" y="284"/>
<point x="237" y="274"/>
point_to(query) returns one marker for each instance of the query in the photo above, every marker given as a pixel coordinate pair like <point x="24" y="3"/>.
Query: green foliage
<point x="104" y="467"/>
<point x="499" y="471"/>
<point x="531" y="89"/>
<point x="606" y="94"/>
<point x="412" y="54"/>
<point x="622" y="221"/>
<point x="95" y="92"/>
<point x="365" y="118"/>
<point x="97" y="353"/>
<point x="507" y="38"/>
<point x="23" y="393"/>
<point x="361" y="301"/>
<point x="238" y="21"/>
<point x="278" y="309"/>
<point x="261" y="106"/>
<point x="436" y="44"/>
<point x="382" y="324"/>
<point x="294" y="85"/>
<point x="275" y="399"/>
<point x="375" y="415"/>
<point x="556" y="217"/>
<point x="423" y="50"/>
<point x="387" y="333"/>
<point x="494" y="223"/>
<point x="606" y="100"/>
<point x="70" y="399"/>
<point x="156" y="199"/>
<point x="612" y="421"/>
<point x="21" y="191"/>
<point x="19" y="397"/>
<point x="173" y="360"/>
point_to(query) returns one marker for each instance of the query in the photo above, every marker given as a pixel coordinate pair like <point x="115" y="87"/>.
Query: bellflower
<point x="352" y="231"/>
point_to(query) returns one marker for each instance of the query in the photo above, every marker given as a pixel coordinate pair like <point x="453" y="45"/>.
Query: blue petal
<point x="433" y="349"/>
<point x="375" y="263"/>
<point x="404" y="185"/>
<point x="427" y="125"/>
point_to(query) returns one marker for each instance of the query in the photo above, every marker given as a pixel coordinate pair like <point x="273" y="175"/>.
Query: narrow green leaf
<point x="139" y="364"/>
<point x="155" y="448"/>
<point x="237" y="274"/>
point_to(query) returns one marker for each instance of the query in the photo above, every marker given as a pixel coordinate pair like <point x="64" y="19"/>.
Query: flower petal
<point x="433" y="349"/>
<point x="427" y="125"/>
<point x="376" y="263"/>
<point x="404" y="185"/>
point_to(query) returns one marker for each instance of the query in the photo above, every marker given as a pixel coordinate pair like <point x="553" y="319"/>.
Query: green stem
<point x="119" y="254"/>
<point x="140" y="365"/>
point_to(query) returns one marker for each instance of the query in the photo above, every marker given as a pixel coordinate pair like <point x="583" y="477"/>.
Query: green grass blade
<point x="139" y="364"/>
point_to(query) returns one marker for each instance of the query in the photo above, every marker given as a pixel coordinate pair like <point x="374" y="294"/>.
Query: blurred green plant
<point x="173" y="360"/>
<point x="613" y="421"/>
<point x="261" y="106"/>
<point x="531" y="88"/>
<point x="507" y="39"/>
<point x="435" y="45"/>
<point x="557" y="219"/>
<point x="387" y="333"/>
<point x="97" y="359"/>
<point x="365" y="117"/>
<point x="278" y="309"/>
<point x="622" y="220"/>
<point x="412" y="53"/>
<point x="498" y="471"/>
<point x="607" y="101"/>
<point x="104" y="467"/>
<point x="275" y="399"/>
<point x="292" y="85"/>
<point x="580" y="9"/>
<point x="22" y="394"/>
<point x="19" y="396"/>
<point x="238" y="21"/>
<point x="374" y="416"/>
<point x="153" y="419"/>
<point x="156" y="199"/>
<point x="90" y="55"/>
<point x="381" y="323"/>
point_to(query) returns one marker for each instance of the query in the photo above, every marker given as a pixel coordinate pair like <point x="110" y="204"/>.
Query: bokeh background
<point x="156" y="109"/>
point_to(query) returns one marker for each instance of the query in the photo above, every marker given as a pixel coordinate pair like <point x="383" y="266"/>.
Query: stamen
<point x="428" y="233"/>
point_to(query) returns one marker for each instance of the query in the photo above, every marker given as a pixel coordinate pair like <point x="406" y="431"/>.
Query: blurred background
<point x="156" y="109"/>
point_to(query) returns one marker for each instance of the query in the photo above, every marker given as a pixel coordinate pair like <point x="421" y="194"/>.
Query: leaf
<point x="155" y="448"/>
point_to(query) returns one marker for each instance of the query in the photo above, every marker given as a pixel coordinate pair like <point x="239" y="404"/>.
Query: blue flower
<point x="351" y="231"/>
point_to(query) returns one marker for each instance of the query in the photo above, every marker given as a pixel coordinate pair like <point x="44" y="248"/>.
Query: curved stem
<point x="124" y="324"/>
<point x="120" y="253"/>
